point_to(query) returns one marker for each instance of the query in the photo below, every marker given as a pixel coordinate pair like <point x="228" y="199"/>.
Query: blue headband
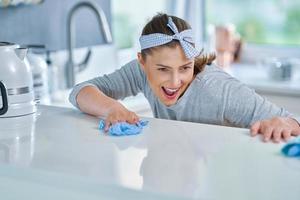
<point x="185" y="39"/>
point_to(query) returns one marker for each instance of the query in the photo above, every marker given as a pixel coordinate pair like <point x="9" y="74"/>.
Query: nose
<point x="175" y="80"/>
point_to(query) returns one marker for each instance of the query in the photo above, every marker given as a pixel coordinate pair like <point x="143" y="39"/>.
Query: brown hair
<point x="158" y="24"/>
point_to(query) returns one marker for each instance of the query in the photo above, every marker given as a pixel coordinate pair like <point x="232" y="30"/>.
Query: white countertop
<point x="63" y="146"/>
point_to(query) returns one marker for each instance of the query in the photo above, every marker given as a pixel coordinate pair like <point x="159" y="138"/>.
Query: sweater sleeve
<point x="126" y="81"/>
<point x="243" y="106"/>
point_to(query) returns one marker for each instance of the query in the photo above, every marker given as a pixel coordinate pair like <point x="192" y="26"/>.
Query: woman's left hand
<point x="277" y="128"/>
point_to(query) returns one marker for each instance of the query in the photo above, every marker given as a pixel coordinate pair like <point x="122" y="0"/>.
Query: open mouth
<point x="170" y="93"/>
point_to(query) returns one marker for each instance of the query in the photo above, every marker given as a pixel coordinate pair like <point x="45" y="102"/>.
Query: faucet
<point x="71" y="68"/>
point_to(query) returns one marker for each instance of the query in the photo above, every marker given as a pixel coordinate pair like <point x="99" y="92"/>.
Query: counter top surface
<point x="173" y="158"/>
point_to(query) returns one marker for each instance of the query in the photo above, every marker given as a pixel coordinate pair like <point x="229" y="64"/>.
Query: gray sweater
<point x="213" y="97"/>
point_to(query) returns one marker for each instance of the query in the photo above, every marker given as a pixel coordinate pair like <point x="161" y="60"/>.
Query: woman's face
<point x="169" y="73"/>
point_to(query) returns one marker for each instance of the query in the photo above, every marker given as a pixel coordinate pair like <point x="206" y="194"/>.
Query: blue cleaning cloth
<point x="124" y="128"/>
<point x="292" y="149"/>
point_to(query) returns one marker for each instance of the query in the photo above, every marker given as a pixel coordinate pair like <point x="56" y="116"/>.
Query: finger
<point x="295" y="132"/>
<point x="267" y="133"/>
<point x="276" y="135"/>
<point x="107" y="125"/>
<point x="119" y="120"/>
<point x="114" y="121"/>
<point x="108" y="122"/>
<point x="255" y="128"/>
<point x="136" y="118"/>
<point x="133" y="118"/>
<point x="286" y="135"/>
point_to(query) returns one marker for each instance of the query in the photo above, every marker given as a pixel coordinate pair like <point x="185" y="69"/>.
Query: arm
<point x="92" y="101"/>
<point x="99" y="96"/>
<point x="247" y="109"/>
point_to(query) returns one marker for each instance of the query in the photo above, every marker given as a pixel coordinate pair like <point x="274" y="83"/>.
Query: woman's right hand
<point x="118" y="113"/>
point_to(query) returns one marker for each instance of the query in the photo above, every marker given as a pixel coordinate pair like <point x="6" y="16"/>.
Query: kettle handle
<point x="4" y="108"/>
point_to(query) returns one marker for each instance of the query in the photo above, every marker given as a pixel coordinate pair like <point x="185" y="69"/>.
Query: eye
<point x="185" y="68"/>
<point x="162" y="69"/>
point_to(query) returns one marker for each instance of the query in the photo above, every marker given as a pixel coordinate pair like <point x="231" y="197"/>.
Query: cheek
<point x="155" y="78"/>
<point x="189" y="77"/>
<point x="159" y="79"/>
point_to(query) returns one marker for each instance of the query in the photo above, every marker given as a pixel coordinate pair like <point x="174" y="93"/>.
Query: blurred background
<point x="256" y="41"/>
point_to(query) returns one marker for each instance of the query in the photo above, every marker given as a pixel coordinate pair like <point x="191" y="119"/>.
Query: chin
<point x="169" y="102"/>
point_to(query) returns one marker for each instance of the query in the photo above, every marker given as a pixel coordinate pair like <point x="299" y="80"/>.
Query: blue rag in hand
<point x="292" y="149"/>
<point x="124" y="128"/>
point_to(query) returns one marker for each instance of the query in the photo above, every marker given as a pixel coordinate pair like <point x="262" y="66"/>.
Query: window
<point x="130" y="16"/>
<point x="275" y="22"/>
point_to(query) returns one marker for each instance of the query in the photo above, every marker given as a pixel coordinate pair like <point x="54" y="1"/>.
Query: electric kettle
<point x="16" y="85"/>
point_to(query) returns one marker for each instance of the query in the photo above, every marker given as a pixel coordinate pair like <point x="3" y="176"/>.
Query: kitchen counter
<point x="61" y="151"/>
<point x="139" y="104"/>
<point x="256" y="76"/>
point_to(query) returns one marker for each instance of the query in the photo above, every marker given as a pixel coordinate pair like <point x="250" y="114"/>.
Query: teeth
<point x="171" y="90"/>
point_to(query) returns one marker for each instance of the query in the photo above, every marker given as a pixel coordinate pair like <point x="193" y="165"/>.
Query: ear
<point x="141" y="60"/>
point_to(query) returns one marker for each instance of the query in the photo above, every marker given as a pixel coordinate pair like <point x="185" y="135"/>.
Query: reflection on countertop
<point x="180" y="159"/>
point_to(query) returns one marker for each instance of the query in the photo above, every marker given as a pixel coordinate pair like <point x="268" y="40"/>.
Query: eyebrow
<point x="171" y="67"/>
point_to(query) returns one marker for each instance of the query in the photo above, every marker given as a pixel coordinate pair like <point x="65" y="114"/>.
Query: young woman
<point x="180" y="84"/>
